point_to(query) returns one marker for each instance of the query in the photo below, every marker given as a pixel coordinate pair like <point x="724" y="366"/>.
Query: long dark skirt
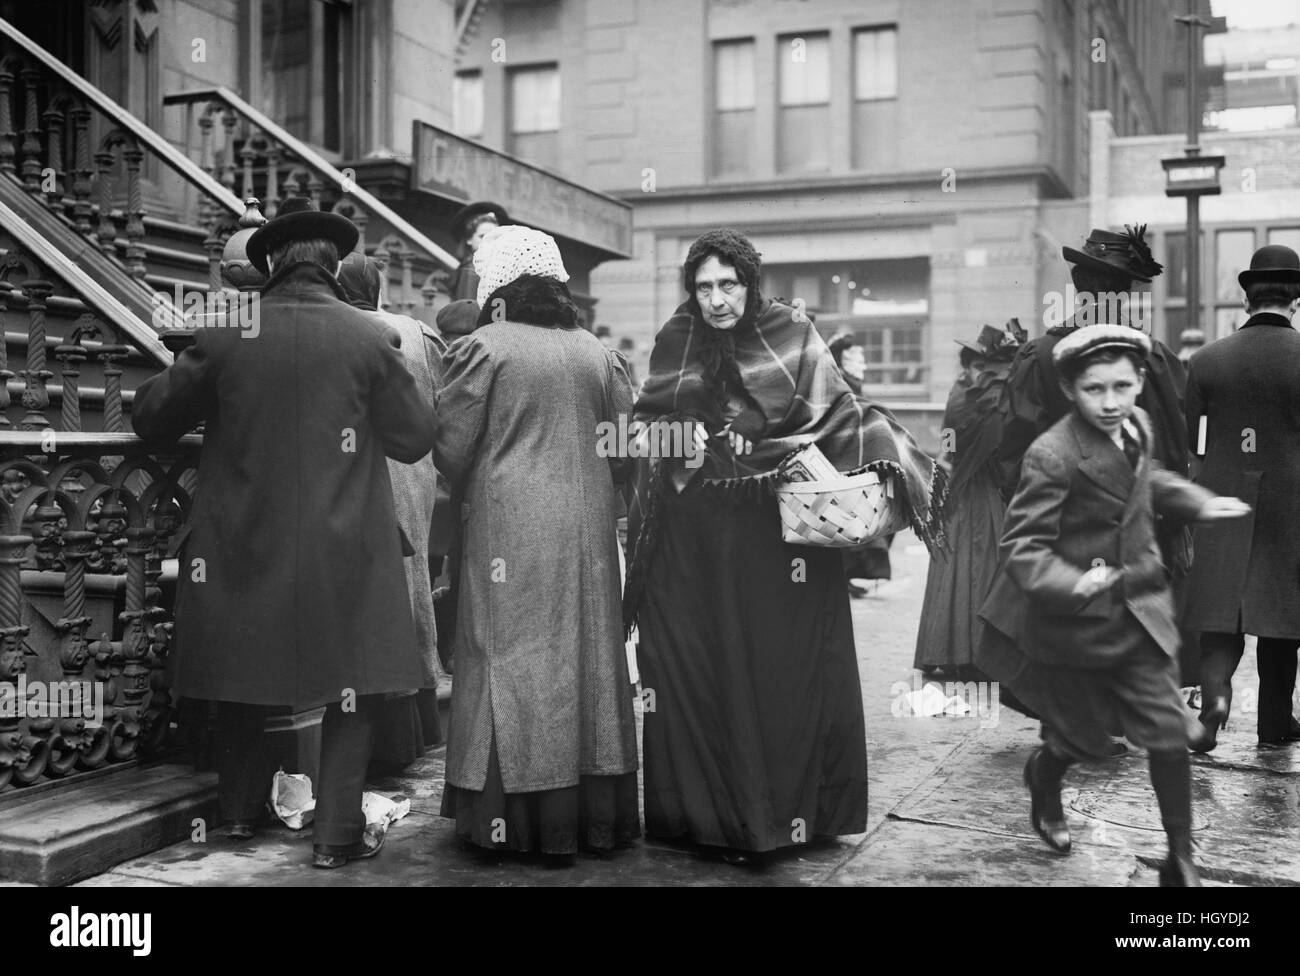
<point x="757" y="739"/>
<point x="600" y="813"/>
<point x="960" y="579"/>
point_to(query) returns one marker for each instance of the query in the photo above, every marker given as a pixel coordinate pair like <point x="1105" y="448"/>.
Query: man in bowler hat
<point x="1243" y="416"/>
<point x="293" y="592"/>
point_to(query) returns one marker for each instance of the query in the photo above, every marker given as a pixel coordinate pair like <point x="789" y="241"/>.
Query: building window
<point x="467" y="104"/>
<point x="733" y="108"/>
<point x="535" y="114"/>
<point x="1286" y="236"/>
<point x="804" y="109"/>
<point x="875" y="98"/>
<point x="1227" y="251"/>
<point x="308" y="70"/>
<point x="884" y="304"/>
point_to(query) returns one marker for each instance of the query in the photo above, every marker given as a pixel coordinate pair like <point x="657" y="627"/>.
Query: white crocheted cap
<point x="508" y="252"/>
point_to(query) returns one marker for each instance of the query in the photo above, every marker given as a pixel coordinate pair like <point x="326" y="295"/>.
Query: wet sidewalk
<point x="947" y="808"/>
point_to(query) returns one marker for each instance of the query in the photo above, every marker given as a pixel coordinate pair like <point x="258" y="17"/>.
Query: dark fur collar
<point x="534" y="300"/>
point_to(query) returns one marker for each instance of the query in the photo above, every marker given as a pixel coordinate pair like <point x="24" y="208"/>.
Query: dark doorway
<point x="59" y="26"/>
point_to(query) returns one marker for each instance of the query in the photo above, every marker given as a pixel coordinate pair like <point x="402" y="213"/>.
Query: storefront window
<point x="884" y="304"/>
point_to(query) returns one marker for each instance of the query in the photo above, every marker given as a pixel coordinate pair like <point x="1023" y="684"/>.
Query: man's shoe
<point x="1292" y="735"/>
<point x="1213" y="718"/>
<point x="371" y="843"/>
<point x="1045" y="807"/>
<point x="241" y="830"/>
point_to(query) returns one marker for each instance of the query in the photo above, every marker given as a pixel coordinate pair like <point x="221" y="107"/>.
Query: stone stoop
<point x="59" y="836"/>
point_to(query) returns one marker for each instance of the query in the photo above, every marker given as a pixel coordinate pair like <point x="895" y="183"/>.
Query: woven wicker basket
<point x="840" y="513"/>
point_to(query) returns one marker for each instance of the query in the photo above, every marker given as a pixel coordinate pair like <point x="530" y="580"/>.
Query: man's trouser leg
<point x="1220" y="655"/>
<point x="1276" y="657"/>
<point x="244" y="766"/>
<point x="346" y="740"/>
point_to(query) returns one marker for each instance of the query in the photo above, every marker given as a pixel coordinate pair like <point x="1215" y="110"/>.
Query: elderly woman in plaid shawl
<point x="756" y="740"/>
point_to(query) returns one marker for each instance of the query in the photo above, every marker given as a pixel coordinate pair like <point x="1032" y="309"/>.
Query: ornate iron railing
<point x="250" y="153"/>
<point x="86" y="522"/>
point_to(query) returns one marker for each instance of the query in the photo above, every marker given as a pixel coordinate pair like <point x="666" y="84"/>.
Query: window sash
<point x="535" y="99"/>
<point x="733" y="76"/>
<point x="807" y="81"/>
<point x="875" y="63"/>
<point x="467" y="104"/>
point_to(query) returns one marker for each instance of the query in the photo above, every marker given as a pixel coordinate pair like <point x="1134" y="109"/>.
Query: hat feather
<point x="1150" y="267"/>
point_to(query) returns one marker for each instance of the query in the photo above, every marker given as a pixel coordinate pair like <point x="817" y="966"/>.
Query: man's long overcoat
<point x="301" y="594"/>
<point x="1247" y="385"/>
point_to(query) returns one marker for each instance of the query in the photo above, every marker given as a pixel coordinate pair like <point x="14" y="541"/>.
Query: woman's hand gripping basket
<point x="822" y="507"/>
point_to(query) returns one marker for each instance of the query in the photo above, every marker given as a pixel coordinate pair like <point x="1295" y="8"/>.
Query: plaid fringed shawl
<point x="795" y="395"/>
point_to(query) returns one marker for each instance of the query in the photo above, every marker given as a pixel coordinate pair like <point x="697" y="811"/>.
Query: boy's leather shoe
<point x="1045" y="807"/>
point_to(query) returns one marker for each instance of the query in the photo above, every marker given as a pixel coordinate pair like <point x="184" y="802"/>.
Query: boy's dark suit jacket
<point x="1080" y="504"/>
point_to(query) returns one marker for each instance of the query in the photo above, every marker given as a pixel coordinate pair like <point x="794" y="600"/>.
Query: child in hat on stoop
<point x="1080" y="618"/>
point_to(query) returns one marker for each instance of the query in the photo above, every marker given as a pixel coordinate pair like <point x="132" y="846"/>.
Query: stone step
<point x="57" y="837"/>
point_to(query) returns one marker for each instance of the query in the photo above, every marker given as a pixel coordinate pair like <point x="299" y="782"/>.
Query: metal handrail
<point x="173" y="157"/>
<point x="90" y="291"/>
<point x="314" y="159"/>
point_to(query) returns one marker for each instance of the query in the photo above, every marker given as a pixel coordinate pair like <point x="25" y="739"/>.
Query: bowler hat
<point x="460" y="220"/>
<point x="1273" y="262"/>
<point x="1090" y="338"/>
<point x="296" y="220"/>
<point x="1123" y="255"/>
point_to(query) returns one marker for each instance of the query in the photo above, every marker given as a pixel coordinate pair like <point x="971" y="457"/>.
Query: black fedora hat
<point x="1121" y="255"/>
<point x="297" y="219"/>
<point x="1273" y="262"/>
<point x="461" y="218"/>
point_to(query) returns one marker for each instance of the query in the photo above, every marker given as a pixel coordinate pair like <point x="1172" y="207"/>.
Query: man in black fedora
<point x="293" y="592"/>
<point x="1243" y="416"/>
<point x="468" y="225"/>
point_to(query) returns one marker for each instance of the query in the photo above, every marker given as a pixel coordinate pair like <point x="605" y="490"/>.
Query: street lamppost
<point x="1193" y="175"/>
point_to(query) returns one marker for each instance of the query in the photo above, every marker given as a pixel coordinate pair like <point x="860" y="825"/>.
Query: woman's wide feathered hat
<point x="298" y="219"/>
<point x="1123" y="255"/>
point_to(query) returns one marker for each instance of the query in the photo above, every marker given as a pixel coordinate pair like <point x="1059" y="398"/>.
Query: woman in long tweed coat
<point x="409" y="722"/>
<point x="541" y="749"/>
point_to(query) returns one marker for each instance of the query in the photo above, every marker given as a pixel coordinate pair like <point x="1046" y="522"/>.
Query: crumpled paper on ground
<point x="931" y="701"/>
<point x="292" y="802"/>
<point x="383" y="811"/>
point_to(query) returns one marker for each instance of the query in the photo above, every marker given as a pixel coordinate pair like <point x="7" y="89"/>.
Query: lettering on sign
<point x="458" y="169"/>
